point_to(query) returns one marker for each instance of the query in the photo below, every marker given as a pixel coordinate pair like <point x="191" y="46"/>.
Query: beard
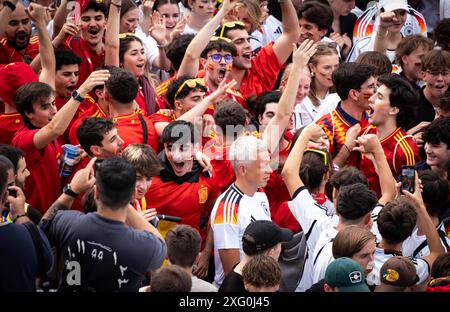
<point x="20" y="40"/>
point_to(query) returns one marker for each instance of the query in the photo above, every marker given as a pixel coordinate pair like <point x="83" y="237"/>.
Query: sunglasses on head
<point x="191" y="83"/>
<point x="230" y="25"/>
<point x="324" y="45"/>
<point x="215" y="38"/>
<point x="125" y="35"/>
<point x="318" y="152"/>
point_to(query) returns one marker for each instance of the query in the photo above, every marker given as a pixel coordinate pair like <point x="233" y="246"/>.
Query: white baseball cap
<point x="391" y="5"/>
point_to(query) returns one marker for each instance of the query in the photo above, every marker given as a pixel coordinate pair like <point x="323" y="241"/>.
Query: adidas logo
<point x="278" y="30"/>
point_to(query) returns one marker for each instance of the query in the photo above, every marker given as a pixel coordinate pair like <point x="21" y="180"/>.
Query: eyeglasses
<point x="318" y="152"/>
<point x="124" y="35"/>
<point x="216" y="58"/>
<point x="191" y="83"/>
<point x="214" y="38"/>
<point x="230" y="25"/>
<point x="437" y="72"/>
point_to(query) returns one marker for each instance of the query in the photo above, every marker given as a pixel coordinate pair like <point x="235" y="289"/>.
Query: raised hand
<point x="303" y="53"/>
<point x="96" y="78"/>
<point x="158" y="28"/>
<point x="178" y="29"/>
<point x="84" y="179"/>
<point x="38" y="13"/>
<point x="387" y="19"/>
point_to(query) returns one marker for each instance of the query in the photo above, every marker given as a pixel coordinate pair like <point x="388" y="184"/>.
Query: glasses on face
<point x="230" y="25"/>
<point x="318" y="152"/>
<point x="124" y="35"/>
<point x="216" y="58"/>
<point x="437" y="72"/>
<point x="191" y="83"/>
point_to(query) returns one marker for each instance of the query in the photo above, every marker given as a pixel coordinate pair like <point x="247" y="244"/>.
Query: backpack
<point x="292" y="260"/>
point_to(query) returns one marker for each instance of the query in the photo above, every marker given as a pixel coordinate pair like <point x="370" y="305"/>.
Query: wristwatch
<point x="10" y="5"/>
<point x="77" y="96"/>
<point x="68" y="191"/>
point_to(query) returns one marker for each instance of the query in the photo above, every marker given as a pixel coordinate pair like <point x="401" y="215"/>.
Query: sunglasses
<point x="124" y="35"/>
<point x="191" y="83"/>
<point x="230" y="25"/>
<point x="216" y="58"/>
<point x="215" y="38"/>
<point x="318" y="152"/>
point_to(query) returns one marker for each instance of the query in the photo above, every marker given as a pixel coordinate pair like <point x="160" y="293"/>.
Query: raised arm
<point x="370" y="145"/>
<point x="291" y="31"/>
<point x="112" y="41"/>
<point x="189" y="65"/>
<point x="291" y="169"/>
<point x="387" y="19"/>
<point x="82" y="181"/>
<point x="61" y="120"/>
<point x="60" y="17"/>
<point x="425" y="223"/>
<point x="277" y="125"/>
<point x="46" y="59"/>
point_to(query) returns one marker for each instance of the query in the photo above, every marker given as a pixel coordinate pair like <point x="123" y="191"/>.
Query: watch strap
<point x="9" y="4"/>
<point x="69" y="192"/>
<point x="77" y="96"/>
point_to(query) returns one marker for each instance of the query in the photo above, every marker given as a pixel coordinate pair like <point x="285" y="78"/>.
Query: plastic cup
<point x="70" y="152"/>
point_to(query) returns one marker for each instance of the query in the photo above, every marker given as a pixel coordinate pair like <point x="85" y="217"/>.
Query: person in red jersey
<point x="89" y="45"/>
<point x="42" y="126"/>
<point x="17" y="44"/>
<point x="391" y="111"/>
<point x="355" y="84"/>
<point x="215" y="55"/>
<point x="14" y="75"/>
<point x="183" y="189"/>
<point x="258" y="74"/>
<point x="133" y="127"/>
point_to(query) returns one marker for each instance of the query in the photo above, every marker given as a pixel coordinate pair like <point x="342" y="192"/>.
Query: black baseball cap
<point x="261" y="235"/>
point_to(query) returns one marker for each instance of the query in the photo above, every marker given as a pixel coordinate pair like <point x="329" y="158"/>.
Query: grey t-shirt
<point x="102" y="254"/>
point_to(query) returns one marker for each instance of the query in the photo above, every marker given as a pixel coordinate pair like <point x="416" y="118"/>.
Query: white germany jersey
<point x="417" y="246"/>
<point x="382" y="255"/>
<point x="231" y="214"/>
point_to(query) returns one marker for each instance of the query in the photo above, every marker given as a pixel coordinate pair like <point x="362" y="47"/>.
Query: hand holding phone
<point x="407" y="178"/>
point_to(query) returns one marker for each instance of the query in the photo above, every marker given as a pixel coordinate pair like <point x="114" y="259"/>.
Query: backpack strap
<point x="37" y="242"/>
<point x="144" y="128"/>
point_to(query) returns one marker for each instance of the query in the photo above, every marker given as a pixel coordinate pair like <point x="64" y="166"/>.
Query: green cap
<point x="346" y="275"/>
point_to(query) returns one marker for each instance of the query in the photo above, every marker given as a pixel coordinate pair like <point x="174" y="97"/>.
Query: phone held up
<point x="407" y="178"/>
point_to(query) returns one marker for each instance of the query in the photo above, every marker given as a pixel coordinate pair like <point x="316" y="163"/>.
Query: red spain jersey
<point x="90" y="60"/>
<point x="276" y="190"/>
<point x="10" y="123"/>
<point x="43" y="186"/>
<point x="185" y="198"/>
<point x="9" y="54"/>
<point x="399" y="149"/>
<point x="336" y="125"/>
<point x="263" y="74"/>
<point x="162" y="115"/>
<point x="131" y="130"/>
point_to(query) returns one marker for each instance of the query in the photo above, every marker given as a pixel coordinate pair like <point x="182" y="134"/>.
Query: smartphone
<point x="407" y="178"/>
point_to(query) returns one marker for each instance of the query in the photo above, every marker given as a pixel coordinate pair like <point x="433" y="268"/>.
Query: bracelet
<point x="161" y="45"/>
<point x="19" y="216"/>
<point x="347" y="149"/>
<point x="116" y="5"/>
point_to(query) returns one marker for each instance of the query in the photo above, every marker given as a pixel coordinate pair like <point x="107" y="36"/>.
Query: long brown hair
<point x="323" y="49"/>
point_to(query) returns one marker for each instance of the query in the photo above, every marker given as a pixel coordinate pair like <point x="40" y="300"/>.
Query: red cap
<point x="12" y="76"/>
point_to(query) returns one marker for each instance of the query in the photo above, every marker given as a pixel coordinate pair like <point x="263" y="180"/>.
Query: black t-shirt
<point x="233" y="282"/>
<point x="425" y="110"/>
<point x="347" y="23"/>
<point x="103" y="255"/>
<point x="18" y="259"/>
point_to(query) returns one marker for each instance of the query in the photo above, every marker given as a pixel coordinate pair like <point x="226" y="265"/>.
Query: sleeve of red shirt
<point x="264" y="71"/>
<point x="24" y="141"/>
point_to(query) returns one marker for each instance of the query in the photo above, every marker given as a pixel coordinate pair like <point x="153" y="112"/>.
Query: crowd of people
<point x="188" y="146"/>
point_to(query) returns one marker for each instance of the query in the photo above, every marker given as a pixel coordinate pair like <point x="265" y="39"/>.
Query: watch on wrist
<point x="68" y="191"/>
<point x="9" y="4"/>
<point x="77" y="96"/>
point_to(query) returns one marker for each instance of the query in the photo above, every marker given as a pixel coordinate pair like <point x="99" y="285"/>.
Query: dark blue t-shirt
<point x="102" y="254"/>
<point x="18" y="258"/>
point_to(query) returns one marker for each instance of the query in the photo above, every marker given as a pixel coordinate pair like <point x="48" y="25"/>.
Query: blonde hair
<point x="350" y="241"/>
<point x="287" y="71"/>
<point x="253" y="11"/>
<point x="143" y="159"/>
<point x="323" y="49"/>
